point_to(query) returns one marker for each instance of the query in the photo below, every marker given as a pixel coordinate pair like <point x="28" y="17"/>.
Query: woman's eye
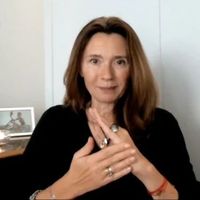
<point x="121" y="62"/>
<point x="94" y="61"/>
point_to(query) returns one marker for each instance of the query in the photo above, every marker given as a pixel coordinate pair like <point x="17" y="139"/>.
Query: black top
<point x="61" y="132"/>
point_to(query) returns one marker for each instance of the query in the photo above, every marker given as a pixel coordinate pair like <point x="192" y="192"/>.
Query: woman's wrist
<point x="50" y="194"/>
<point x="58" y="190"/>
<point x="160" y="189"/>
<point x="156" y="184"/>
<point x="149" y="176"/>
<point x="46" y="194"/>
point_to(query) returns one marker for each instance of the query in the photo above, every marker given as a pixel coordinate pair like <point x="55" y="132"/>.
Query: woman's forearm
<point x="59" y="190"/>
<point x="157" y="185"/>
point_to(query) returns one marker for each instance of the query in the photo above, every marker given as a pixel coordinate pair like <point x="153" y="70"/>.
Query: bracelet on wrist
<point x="160" y="189"/>
<point x="33" y="196"/>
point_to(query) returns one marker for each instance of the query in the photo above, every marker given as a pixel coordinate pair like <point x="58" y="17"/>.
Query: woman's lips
<point x="108" y="89"/>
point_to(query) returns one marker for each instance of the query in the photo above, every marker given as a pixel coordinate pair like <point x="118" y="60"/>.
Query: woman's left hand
<point x="142" y="168"/>
<point x="101" y="130"/>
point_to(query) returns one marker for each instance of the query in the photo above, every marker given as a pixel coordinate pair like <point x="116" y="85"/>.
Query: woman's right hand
<point x="91" y="171"/>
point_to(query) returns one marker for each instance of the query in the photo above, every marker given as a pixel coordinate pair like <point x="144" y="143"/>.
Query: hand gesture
<point x="91" y="171"/>
<point x="101" y="130"/>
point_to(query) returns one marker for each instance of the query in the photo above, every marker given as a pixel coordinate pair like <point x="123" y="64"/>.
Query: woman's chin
<point x="107" y="100"/>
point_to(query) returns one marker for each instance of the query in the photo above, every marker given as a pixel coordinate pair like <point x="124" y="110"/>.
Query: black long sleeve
<point x="61" y="132"/>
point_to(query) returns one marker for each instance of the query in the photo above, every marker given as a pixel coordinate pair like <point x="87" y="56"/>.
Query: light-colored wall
<point x="180" y="46"/>
<point x="22" y="54"/>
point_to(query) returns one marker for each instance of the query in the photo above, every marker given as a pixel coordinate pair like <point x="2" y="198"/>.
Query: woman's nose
<point x="107" y="71"/>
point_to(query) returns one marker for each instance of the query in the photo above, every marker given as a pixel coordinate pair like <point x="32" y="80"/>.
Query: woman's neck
<point x="106" y="112"/>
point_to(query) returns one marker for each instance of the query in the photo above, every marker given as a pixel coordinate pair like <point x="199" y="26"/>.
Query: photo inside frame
<point x="17" y="122"/>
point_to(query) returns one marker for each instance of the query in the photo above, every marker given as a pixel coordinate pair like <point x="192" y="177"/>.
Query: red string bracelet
<point x="160" y="189"/>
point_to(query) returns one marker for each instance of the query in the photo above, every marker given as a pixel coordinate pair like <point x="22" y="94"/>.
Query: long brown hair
<point x="135" y="108"/>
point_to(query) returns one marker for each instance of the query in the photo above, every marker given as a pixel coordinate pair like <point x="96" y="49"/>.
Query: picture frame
<point x="17" y="122"/>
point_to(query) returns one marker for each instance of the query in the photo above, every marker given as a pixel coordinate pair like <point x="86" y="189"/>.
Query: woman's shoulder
<point x="60" y="111"/>
<point x="163" y="114"/>
<point x="163" y="118"/>
<point x="164" y="126"/>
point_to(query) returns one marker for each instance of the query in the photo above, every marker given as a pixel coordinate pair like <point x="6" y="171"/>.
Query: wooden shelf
<point x="13" y="147"/>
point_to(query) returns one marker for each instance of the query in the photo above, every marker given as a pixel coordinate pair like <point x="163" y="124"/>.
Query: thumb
<point x="86" y="149"/>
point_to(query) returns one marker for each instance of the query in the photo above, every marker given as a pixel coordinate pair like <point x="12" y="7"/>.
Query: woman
<point x="108" y="139"/>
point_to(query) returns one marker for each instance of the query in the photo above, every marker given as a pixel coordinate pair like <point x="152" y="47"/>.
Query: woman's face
<point x="105" y="67"/>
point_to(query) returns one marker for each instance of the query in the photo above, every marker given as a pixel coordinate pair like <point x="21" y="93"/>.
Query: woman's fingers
<point x="118" y="154"/>
<point x="93" y="170"/>
<point x="117" y="175"/>
<point x="106" y="130"/>
<point x="98" y="134"/>
<point x="86" y="149"/>
<point x="117" y="165"/>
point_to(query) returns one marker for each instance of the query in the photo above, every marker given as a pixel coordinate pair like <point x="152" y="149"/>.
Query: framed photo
<point x="17" y="122"/>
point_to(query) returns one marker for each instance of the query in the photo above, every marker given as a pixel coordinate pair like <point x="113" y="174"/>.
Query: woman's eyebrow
<point x="94" y="56"/>
<point x="121" y="56"/>
<point x="100" y="56"/>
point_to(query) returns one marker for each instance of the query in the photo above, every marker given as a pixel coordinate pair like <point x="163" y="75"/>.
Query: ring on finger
<point x="114" y="128"/>
<point x="104" y="143"/>
<point x="109" y="171"/>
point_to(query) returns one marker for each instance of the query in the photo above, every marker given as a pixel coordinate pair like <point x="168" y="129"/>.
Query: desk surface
<point x="13" y="147"/>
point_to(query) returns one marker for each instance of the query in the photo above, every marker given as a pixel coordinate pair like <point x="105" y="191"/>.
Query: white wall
<point x="22" y="54"/>
<point x="180" y="42"/>
<point x="169" y="31"/>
